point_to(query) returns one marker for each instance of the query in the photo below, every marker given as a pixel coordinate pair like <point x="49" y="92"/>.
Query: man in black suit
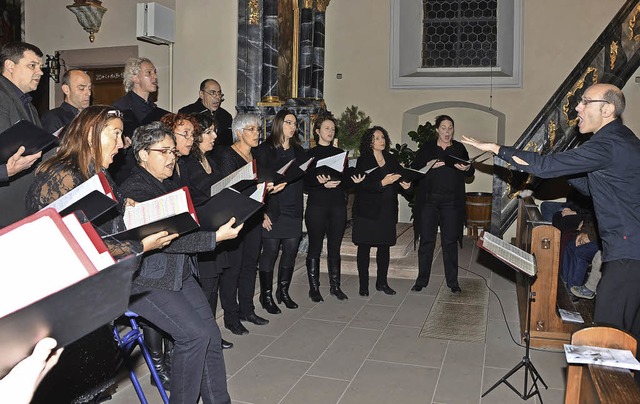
<point x="21" y="72"/>
<point x="76" y="86"/>
<point x="209" y="101"/>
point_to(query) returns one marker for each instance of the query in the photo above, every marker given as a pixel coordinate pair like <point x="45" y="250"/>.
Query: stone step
<point x="403" y="259"/>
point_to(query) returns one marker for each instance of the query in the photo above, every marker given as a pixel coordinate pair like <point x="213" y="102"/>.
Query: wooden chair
<point x="601" y="384"/>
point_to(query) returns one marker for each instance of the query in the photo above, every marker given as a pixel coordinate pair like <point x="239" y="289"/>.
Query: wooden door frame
<point x="91" y="59"/>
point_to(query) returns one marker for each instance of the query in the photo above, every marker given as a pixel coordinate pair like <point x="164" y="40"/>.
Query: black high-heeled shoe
<point x="364" y="292"/>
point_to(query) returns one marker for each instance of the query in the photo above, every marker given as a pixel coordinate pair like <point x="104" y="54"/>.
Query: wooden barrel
<point x="478" y="208"/>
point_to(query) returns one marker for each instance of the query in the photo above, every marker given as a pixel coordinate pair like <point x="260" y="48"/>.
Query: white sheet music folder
<point x="508" y="253"/>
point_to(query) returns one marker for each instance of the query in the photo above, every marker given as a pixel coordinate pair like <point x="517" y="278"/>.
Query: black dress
<point x="375" y="210"/>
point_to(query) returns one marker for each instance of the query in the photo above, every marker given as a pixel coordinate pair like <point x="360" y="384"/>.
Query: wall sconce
<point x="53" y="65"/>
<point x="89" y="14"/>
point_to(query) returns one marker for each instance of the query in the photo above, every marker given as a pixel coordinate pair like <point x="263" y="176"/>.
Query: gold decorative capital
<point x="632" y="24"/>
<point x="254" y="12"/>
<point x="307" y="3"/>
<point x="321" y="5"/>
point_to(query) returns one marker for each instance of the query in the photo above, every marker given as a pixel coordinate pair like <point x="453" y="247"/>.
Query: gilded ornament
<point x="307" y="3"/>
<point x="632" y="25"/>
<point x="552" y="133"/>
<point x="321" y="5"/>
<point x="578" y="86"/>
<point x="613" y="54"/>
<point x="254" y="12"/>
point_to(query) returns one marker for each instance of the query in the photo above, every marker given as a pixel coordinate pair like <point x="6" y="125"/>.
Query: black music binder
<point x="93" y="205"/>
<point x="24" y="133"/>
<point x="68" y="314"/>
<point x="224" y="205"/>
<point x="451" y="161"/>
<point x="180" y="224"/>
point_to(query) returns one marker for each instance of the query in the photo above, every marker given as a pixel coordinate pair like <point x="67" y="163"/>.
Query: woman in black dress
<point x="440" y="201"/>
<point x="375" y="211"/>
<point x="326" y="210"/>
<point x="200" y="172"/>
<point x="282" y="221"/>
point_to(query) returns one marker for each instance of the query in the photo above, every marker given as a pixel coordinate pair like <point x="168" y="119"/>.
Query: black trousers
<point x="382" y="261"/>
<point x="329" y="220"/>
<point x="197" y="365"/>
<point x="618" y="296"/>
<point x="238" y="282"/>
<point x="440" y="211"/>
<point x="270" y="249"/>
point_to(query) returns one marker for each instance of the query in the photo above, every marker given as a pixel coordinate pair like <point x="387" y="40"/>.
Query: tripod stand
<point x="525" y="363"/>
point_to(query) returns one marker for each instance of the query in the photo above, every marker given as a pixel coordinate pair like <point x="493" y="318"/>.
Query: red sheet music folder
<point x="65" y="313"/>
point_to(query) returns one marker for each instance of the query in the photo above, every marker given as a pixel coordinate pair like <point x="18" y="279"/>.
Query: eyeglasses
<point x="115" y="113"/>
<point x="164" y="152"/>
<point x="213" y="93"/>
<point x="585" y="101"/>
<point x="291" y="123"/>
<point x="253" y="129"/>
<point x="186" y="135"/>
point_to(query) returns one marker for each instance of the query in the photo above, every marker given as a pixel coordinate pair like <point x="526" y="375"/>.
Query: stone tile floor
<point x="367" y="350"/>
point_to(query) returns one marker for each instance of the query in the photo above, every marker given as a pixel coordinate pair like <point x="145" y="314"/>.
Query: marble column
<point x="305" y="58"/>
<point x="249" y="53"/>
<point x="317" y="70"/>
<point x="270" y="41"/>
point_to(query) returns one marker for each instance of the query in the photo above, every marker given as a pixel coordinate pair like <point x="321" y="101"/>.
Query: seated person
<point x="588" y="290"/>
<point x="578" y="253"/>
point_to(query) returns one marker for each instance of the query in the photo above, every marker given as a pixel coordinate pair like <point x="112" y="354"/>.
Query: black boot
<point x="363" y="278"/>
<point x="334" y="279"/>
<point x="266" y="286"/>
<point x="153" y="341"/>
<point x="313" y="273"/>
<point x="381" y="281"/>
<point x="282" y="293"/>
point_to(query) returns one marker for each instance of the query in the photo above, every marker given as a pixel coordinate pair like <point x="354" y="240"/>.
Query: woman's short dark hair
<point x="317" y="124"/>
<point x="147" y="135"/>
<point x="442" y="118"/>
<point x="366" y="141"/>
<point x="276" y="138"/>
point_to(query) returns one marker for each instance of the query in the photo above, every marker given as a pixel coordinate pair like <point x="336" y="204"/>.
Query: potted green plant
<point x="351" y="126"/>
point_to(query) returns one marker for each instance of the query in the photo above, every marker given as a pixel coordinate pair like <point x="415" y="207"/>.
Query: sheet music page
<point x="593" y="355"/>
<point x="334" y="162"/>
<point x="244" y="173"/>
<point x="79" y="192"/>
<point x="285" y="167"/>
<point x="369" y="171"/>
<point x="259" y="193"/>
<point x="510" y="253"/>
<point x="58" y="132"/>
<point x="304" y="166"/>
<point x="351" y="163"/>
<point x="167" y="205"/>
<point x="37" y="261"/>
<point x="99" y="260"/>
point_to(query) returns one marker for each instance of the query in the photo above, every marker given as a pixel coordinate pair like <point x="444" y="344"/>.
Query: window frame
<point x="406" y="71"/>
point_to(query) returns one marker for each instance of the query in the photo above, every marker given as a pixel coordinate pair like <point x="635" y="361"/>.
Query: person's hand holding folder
<point x="227" y="231"/>
<point x="18" y="162"/>
<point x="327" y="181"/>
